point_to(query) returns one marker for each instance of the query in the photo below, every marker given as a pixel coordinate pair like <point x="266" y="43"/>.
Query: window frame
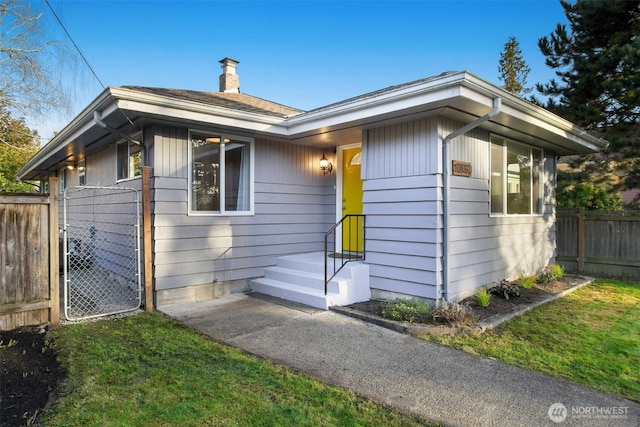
<point x="506" y="142"/>
<point x="62" y="180"/>
<point x="82" y="173"/>
<point x="251" y="179"/>
<point x="129" y="176"/>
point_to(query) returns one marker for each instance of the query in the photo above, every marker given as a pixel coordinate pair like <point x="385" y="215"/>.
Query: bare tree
<point x="30" y="65"/>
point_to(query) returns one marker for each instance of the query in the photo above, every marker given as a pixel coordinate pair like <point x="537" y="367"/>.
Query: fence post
<point x="581" y="216"/>
<point x="54" y="258"/>
<point x="146" y="232"/>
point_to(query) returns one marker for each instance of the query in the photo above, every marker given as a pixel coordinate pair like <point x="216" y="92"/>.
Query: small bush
<point x="483" y="297"/>
<point x="557" y="270"/>
<point x="527" y="282"/>
<point x="454" y="314"/>
<point x="505" y="290"/>
<point x="406" y="310"/>
<point x="551" y="272"/>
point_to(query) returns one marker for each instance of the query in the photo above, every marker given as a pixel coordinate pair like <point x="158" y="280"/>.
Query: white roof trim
<point x="430" y="93"/>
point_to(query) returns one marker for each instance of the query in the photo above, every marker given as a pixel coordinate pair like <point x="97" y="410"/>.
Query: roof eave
<point x="163" y="106"/>
<point x="78" y="125"/>
<point x="441" y="91"/>
<point x="114" y="98"/>
<point x="513" y="104"/>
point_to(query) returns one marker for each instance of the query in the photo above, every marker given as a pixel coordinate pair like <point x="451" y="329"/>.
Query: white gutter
<point x="446" y="238"/>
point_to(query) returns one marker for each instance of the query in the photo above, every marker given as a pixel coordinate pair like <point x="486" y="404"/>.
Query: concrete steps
<point x="300" y="278"/>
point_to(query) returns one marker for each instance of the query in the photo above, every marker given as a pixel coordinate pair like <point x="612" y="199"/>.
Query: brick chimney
<point x="229" y="80"/>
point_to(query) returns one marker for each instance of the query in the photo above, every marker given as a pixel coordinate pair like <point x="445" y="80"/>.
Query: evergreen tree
<point x="513" y="69"/>
<point x="597" y="63"/>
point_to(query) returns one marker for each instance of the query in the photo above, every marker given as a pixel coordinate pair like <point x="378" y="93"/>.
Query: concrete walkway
<point x="429" y="380"/>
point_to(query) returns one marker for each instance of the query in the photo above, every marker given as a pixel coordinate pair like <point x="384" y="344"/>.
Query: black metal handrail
<point x="350" y="232"/>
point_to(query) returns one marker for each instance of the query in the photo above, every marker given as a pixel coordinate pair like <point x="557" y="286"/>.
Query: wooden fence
<point x="599" y="243"/>
<point x="29" y="276"/>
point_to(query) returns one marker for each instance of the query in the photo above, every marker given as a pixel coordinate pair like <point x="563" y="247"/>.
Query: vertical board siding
<point x="402" y="201"/>
<point x="405" y="149"/>
<point x="470" y="147"/>
<point x="101" y="168"/>
<point x="170" y="151"/>
<point x="294" y="206"/>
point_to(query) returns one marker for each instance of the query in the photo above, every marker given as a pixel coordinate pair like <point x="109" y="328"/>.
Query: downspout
<point x="497" y="103"/>
<point x="97" y="119"/>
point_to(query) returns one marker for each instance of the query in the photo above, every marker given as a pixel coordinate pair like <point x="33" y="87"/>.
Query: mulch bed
<point x="538" y="293"/>
<point x="498" y="306"/>
<point x="30" y="376"/>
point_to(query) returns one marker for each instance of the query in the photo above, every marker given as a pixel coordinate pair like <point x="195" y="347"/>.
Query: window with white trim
<point x="129" y="160"/>
<point x="82" y="172"/>
<point x="516" y="178"/>
<point x="221" y="174"/>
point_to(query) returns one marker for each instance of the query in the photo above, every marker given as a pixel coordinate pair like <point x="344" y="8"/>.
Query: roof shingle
<point x="235" y="101"/>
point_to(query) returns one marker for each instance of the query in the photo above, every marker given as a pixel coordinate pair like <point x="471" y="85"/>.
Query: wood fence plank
<point x="24" y="260"/>
<point x="54" y="257"/>
<point x="607" y="243"/>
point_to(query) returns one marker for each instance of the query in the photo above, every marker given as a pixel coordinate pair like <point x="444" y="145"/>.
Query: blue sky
<point x="304" y="54"/>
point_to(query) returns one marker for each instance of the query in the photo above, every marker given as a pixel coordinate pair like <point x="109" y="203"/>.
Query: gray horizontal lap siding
<point x="402" y="202"/>
<point x="486" y="249"/>
<point x="294" y="206"/>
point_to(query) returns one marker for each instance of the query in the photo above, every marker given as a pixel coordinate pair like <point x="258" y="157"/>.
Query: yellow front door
<point x="353" y="232"/>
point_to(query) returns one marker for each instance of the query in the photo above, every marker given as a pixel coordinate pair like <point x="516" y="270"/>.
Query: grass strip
<point x="591" y="336"/>
<point x="148" y="370"/>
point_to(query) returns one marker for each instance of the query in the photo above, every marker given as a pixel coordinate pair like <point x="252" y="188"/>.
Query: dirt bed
<point x="30" y="376"/>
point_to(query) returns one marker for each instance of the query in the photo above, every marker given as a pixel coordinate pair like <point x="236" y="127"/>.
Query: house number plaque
<point x="461" y="168"/>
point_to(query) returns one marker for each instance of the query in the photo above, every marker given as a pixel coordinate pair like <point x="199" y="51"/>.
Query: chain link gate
<point x="101" y="251"/>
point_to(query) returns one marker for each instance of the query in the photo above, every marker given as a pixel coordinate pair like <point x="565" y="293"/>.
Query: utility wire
<point x="74" y="44"/>
<point x="84" y="58"/>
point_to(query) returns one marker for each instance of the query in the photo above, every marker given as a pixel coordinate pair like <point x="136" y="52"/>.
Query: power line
<point x="84" y="58"/>
<point x="74" y="44"/>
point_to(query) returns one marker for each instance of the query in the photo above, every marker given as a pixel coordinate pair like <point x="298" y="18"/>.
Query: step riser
<point x="291" y="295"/>
<point x="301" y="278"/>
<point x="313" y="267"/>
<point x="294" y="264"/>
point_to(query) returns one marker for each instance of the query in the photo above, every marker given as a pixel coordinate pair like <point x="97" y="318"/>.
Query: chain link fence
<point x="101" y="251"/>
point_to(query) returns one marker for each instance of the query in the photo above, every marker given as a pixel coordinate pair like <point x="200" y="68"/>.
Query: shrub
<point x="527" y="282"/>
<point x="506" y="290"/>
<point x="483" y="297"/>
<point x="406" y="310"/>
<point x="551" y="272"/>
<point x="454" y="314"/>
<point x="557" y="270"/>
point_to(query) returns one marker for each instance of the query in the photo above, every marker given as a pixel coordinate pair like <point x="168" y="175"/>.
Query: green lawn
<point x="148" y="370"/>
<point x="591" y="336"/>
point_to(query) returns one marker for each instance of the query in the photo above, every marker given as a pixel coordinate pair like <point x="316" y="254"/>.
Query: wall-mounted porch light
<point x="216" y="140"/>
<point x="325" y="166"/>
